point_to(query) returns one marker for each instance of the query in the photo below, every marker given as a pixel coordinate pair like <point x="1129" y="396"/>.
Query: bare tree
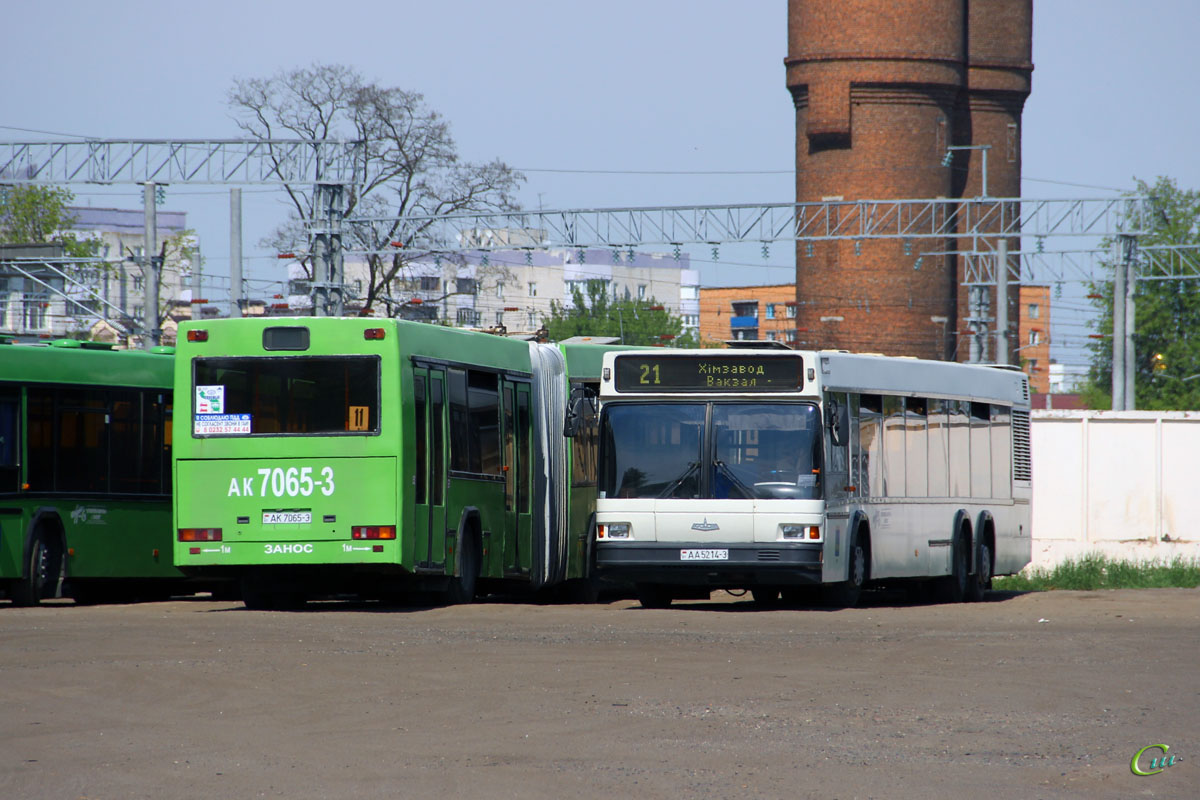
<point x="410" y="160"/>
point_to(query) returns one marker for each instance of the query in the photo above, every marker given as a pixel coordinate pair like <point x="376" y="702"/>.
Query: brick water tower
<point x="882" y="89"/>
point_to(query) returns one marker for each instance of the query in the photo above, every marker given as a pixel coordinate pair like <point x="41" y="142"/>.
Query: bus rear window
<point x="306" y="395"/>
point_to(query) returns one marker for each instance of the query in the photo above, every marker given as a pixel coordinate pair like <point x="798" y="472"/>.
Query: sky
<point x="580" y="96"/>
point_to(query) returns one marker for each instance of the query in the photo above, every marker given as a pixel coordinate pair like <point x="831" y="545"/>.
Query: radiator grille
<point x="1022" y="469"/>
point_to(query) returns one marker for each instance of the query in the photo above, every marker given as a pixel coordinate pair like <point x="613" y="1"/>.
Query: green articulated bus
<point x="85" y="472"/>
<point x="327" y="456"/>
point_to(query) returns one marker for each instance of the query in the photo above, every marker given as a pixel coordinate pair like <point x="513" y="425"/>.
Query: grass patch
<point x="1101" y="572"/>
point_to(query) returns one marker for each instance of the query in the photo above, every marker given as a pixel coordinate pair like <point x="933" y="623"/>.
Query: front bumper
<point x="758" y="564"/>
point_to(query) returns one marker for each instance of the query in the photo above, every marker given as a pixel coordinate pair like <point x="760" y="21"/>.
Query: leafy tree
<point x="32" y="214"/>
<point x="411" y="161"/>
<point x="635" y="321"/>
<point x="1167" y="315"/>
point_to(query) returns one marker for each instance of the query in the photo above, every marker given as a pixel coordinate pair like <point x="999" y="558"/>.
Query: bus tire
<point x="952" y="588"/>
<point x="256" y="594"/>
<point x="765" y="596"/>
<point x="44" y="570"/>
<point x="461" y="589"/>
<point x="581" y="591"/>
<point x="847" y="593"/>
<point x="979" y="583"/>
<point x="653" y="595"/>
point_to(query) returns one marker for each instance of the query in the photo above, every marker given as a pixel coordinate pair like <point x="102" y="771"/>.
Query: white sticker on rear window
<point x="210" y="399"/>
<point x="216" y="424"/>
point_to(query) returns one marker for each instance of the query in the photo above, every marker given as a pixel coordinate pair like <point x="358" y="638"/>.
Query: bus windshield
<point x="712" y="451"/>
<point x="307" y="395"/>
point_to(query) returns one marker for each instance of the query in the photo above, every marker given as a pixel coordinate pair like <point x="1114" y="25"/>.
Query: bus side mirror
<point x="833" y="420"/>
<point x="575" y="410"/>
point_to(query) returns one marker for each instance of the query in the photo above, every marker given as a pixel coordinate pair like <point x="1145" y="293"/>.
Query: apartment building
<point x="763" y="313"/>
<point x="514" y="288"/>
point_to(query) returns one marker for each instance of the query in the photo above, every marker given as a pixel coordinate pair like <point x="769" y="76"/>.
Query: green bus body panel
<point x="111" y="536"/>
<point x="216" y="493"/>
<point x="373" y="473"/>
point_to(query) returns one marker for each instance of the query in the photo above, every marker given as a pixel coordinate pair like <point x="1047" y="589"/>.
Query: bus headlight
<point x="800" y="531"/>
<point x="613" y="530"/>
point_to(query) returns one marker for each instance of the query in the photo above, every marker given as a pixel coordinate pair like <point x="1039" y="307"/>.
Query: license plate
<point x="703" y="555"/>
<point x="286" y="517"/>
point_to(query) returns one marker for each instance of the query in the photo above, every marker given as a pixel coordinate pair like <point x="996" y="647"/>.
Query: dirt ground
<point x="1023" y="696"/>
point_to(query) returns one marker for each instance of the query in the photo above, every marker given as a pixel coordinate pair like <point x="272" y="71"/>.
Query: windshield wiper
<point x="725" y="469"/>
<point x="675" y="484"/>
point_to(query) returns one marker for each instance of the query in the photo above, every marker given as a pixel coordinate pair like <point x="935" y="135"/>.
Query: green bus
<point x="327" y="456"/>
<point x="85" y="472"/>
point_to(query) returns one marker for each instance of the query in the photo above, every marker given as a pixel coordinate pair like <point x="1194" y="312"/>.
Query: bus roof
<point x="837" y="370"/>
<point x="75" y="365"/>
<point x="347" y="336"/>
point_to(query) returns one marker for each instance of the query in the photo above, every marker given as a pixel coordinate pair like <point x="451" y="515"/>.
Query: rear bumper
<point x="769" y="564"/>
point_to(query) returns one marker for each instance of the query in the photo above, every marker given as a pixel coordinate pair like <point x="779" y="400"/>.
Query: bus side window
<point x="870" y="445"/>
<point x="939" y="448"/>
<point x="460" y="456"/>
<point x="420" y="415"/>
<point x="39" y="472"/>
<point x="1001" y="452"/>
<point x="838" y="415"/>
<point x="9" y="442"/>
<point x="916" y="447"/>
<point x="981" y="450"/>
<point x="893" y="448"/>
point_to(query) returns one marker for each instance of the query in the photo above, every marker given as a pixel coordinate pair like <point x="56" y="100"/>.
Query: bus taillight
<point x="199" y="534"/>
<point x="373" y="532"/>
<point x="195" y="335"/>
<point x="373" y="333"/>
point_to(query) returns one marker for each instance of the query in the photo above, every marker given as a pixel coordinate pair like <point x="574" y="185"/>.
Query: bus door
<point x="518" y="521"/>
<point x="429" y="479"/>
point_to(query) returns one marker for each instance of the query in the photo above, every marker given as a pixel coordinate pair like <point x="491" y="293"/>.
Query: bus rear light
<point x="613" y="530"/>
<point x="197" y="336"/>
<point x="199" y="534"/>
<point x="373" y="532"/>
<point x="373" y="334"/>
<point x="193" y="551"/>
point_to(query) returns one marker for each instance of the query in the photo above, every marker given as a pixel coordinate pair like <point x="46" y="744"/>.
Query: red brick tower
<point x="881" y="88"/>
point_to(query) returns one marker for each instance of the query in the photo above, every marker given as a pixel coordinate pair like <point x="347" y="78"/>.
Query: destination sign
<point x="733" y="373"/>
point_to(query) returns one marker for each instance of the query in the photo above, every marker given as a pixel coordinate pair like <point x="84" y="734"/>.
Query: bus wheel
<point x="462" y="586"/>
<point x="581" y="591"/>
<point x="953" y="587"/>
<point x="847" y="593"/>
<point x="981" y="581"/>
<point x="765" y="597"/>
<point x="257" y="594"/>
<point x="44" y="574"/>
<point x="653" y="595"/>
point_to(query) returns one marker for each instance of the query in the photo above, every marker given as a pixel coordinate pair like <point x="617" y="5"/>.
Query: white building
<point x="115" y="288"/>
<point x="1066" y="379"/>
<point x="515" y="288"/>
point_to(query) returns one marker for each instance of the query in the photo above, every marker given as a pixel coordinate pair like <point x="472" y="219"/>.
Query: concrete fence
<point x="1122" y="483"/>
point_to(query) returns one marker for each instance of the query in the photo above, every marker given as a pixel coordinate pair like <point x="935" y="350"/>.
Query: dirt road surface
<point x="1023" y="696"/>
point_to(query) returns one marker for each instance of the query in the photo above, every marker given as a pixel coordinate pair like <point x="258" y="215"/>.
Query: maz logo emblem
<point x="706" y="526"/>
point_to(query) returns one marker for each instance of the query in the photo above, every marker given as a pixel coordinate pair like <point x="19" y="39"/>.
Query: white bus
<point x="775" y="470"/>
